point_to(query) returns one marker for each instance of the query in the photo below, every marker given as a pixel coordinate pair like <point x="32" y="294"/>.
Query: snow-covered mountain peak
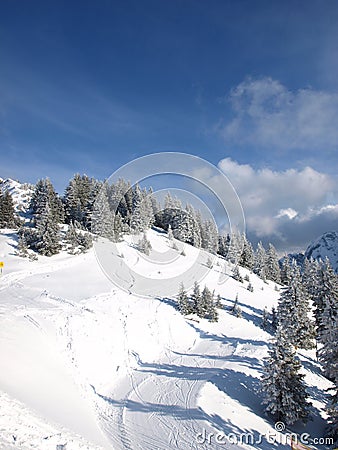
<point x="20" y="192"/>
<point x="325" y="246"/>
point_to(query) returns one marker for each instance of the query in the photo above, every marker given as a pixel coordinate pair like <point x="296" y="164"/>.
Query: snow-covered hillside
<point x="84" y="365"/>
<point x="325" y="246"/>
<point x="21" y="193"/>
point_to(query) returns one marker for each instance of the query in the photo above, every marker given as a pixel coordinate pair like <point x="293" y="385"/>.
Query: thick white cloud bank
<point x="269" y="115"/>
<point x="289" y="208"/>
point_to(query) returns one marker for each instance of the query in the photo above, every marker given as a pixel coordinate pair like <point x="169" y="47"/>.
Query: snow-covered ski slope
<point x="86" y="365"/>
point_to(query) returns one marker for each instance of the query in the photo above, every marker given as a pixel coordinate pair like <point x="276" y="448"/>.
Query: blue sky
<point x="87" y="86"/>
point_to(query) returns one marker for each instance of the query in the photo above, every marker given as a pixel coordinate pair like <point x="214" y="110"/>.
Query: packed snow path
<point x="156" y="406"/>
<point x="88" y="366"/>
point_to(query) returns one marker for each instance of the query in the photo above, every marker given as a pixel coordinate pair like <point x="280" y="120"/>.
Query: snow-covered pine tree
<point x="272" y="270"/>
<point x="85" y="241"/>
<point x="285" y="396"/>
<point x="247" y="256"/>
<point x="250" y="287"/>
<point x="172" y="207"/>
<point x="43" y="195"/>
<point x="119" y="227"/>
<point x="223" y="244"/>
<point x="182" y="225"/>
<point x="47" y="241"/>
<point x="102" y="217"/>
<point x="144" y="245"/>
<point x="71" y="239"/>
<point x="260" y="261"/>
<point x="55" y="203"/>
<point x="209" y="236"/>
<point x="293" y="312"/>
<point x="265" y="319"/>
<point x="327" y="331"/>
<point x="211" y="312"/>
<point x="22" y="247"/>
<point x="143" y="216"/>
<point x="204" y="302"/>
<point x="195" y="297"/>
<point x="79" y="198"/>
<point x="311" y="278"/>
<point x="183" y="301"/>
<point x="120" y="199"/>
<point x="236" y="310"/>
<point x="285" y="270"/>
<point x="332" y="412"/>
<point x="236" y="274"/>
<point x="274" y="319"/>
<point x="170" y="235"/>
<point x="218" y="303"/>
<point x="7" y="211"/>
<point x="195" y="231"/>
<point x="235" y="248"/>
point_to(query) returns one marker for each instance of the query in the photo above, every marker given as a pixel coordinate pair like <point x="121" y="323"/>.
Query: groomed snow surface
<point x="85" y="365"/>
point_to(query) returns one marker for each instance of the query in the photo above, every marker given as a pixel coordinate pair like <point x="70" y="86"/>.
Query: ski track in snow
<point x="138" y="364"/>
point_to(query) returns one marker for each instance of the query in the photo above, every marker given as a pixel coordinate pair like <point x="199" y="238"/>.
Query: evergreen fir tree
<point x="77" y="241"/>
<point x="22" y="247"/>
<point x="144" y="245"/>
<point x="71" y="239"/>
<point x="247" y="256"/>
<point x="327" y="316"/>
<point x="250" y="287"/>
<point x="102" y="217"/>
<point x="79" y="199"/>
<point x="170" y="235"/>
<point x="293" y="312"/>
<point x="47" y="232"/>
<point x="236" y="310"/>
<point x="172" y="207"/>
<point x="218" y="303"/>
<point x="143" y="216"/>
<point x="183" y="224"/>
<point x="209" y="236"/>
<point x="44" y="195"/>
<point x="260" y="261"/>
<point x="118" y="227"/>
<point x="274" y="319"/>
<point x="272" y="270"/>
<point x="235" y="248"/>
<point x="236" y="274"/>
<point x="212" y="313"/>
<point x="195" y="297"/>
<point x="265" y="319"/>
<point x="285" y="271"/>
<point x="85" y="242"/>
<point x="223" y="245"/>
<point x="183" y="301"/>
<point x="285" y="396"/>
<point x="195" y="229"/>
<point x="332" y="412"/>
<point x="7" y="211"/>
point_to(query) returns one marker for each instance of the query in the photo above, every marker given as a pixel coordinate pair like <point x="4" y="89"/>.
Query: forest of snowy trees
<point x="306" y="316"/>
<point x="91" y="207"/>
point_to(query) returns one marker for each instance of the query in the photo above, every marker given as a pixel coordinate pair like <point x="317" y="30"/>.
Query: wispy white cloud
<point x="287" y="207"/>
<point x="267" y="114"/>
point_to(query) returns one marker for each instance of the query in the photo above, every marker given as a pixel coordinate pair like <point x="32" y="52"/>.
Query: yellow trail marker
<point x="1" y="264"/>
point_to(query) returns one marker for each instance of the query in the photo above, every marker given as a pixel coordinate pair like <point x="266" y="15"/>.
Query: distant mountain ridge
<point x="325" y="246"/>
<point x="20" y="192"/>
